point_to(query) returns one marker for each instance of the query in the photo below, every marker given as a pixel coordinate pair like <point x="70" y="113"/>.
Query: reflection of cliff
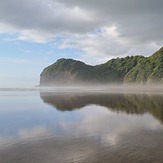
<point x="128" y="103"/>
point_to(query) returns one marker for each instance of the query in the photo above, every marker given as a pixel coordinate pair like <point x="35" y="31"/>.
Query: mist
<point x="89" y="88"/>
<point x="106" y="88"/>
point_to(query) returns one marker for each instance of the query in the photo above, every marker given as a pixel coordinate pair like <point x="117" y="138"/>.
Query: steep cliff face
<point x="135" y="69"/>
<point x="65" y="71"/>
<point x="149" y="69"/>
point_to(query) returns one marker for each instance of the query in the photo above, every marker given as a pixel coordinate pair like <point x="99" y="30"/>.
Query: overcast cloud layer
<point x="98" y="28"/>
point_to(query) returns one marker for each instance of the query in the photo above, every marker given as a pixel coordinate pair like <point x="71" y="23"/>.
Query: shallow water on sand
<point x="80" y="127"/>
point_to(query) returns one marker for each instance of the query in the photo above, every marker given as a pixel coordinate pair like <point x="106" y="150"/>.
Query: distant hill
<point x="134" y="69"/>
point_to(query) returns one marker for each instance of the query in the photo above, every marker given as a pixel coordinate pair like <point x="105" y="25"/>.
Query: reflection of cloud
<point x="108" y="126"/>
<point x="87" y="135"/>
<point x="5" y="140"/>
<point x="38" y="131"/>
<point x="27" y="134"/>
<point x="111" y="139"/>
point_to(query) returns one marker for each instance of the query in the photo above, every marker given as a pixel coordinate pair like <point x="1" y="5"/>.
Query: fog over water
<point x="117" y="88"/>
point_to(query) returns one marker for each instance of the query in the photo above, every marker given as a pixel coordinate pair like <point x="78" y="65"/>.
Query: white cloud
<point x="22" y="61"/>
<point x="121" y="27"/>
<point x="104" y="44"/>
<point x="40" y="21"/>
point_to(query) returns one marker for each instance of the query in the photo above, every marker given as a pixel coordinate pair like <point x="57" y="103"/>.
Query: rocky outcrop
<point x="134" y="69"/>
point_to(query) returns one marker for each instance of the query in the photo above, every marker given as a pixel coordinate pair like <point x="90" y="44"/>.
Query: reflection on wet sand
<point x="127" y="103"/>
<point x="84" y="128"/>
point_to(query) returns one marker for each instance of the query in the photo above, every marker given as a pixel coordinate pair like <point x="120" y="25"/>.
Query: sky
<point x="35" y="33"/>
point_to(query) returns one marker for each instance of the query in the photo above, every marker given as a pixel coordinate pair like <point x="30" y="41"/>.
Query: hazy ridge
<point x="134" y="69"/>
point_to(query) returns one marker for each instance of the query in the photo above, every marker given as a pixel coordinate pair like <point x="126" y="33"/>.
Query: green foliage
<point x="137" y="69"/>
<point x="149" y="69"/>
